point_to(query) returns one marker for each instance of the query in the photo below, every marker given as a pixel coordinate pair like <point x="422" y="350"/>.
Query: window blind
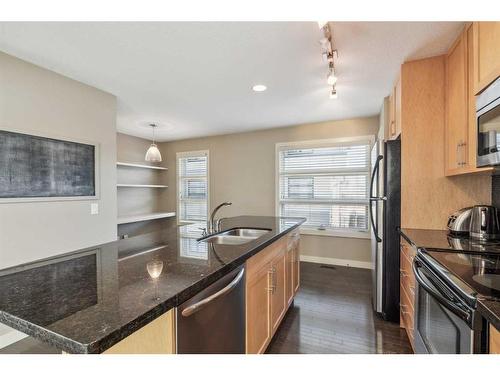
<point x="192" y="174"/>
<point x="326" y="184"/>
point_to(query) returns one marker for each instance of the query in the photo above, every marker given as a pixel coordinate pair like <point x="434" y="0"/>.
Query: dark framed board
<point x="32" y="166"/>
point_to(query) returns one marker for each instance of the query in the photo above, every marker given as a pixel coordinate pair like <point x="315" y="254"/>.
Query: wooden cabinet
<point x="460" y="108"/>
<point x="258" y="310"/>
<point x="292" y="267"/>
<point x="147" y="340"/>
<point x="486" y="53"/>
<point x="494" y="342"/>
<point x="296" y="264"/>
<point x="289" y="292"/>
<point x="278" y="298"/>
<point x="456" y="108"/>
<point x="407" y="290"/>
<point x="270" y="289"/>
<point x="394" y="128"/>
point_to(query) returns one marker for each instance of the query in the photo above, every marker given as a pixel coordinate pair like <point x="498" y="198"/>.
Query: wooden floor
<point x="333" y="313"/>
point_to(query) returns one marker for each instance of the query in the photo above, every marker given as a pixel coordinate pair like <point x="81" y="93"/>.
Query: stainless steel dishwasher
<point x="213" y="321"/>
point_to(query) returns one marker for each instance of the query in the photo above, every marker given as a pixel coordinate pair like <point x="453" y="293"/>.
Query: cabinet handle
<point x="403" y="309"/>
<point x="274" y="278"/>
<point x="461" y="154"/>
<point x="271" y="273"/>
<point x="464" y="153"/>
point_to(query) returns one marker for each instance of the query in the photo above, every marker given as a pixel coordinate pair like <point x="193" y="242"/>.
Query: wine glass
<point x="154" y="269"/>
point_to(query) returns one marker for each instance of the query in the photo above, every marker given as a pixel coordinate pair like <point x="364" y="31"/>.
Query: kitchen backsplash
<point x="495" y="191"/>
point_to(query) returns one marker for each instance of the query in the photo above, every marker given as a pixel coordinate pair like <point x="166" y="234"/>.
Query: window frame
<point x="186" y="154"/>
<point x="370" y="139"/>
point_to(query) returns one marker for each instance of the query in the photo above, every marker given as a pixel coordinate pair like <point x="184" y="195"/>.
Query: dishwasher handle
<point x="190" y="310"/>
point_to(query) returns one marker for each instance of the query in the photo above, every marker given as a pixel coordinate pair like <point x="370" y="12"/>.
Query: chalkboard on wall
<point x="38" y="167"/>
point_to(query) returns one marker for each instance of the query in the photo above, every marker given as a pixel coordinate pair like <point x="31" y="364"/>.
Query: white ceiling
<point x="195" y="79"/>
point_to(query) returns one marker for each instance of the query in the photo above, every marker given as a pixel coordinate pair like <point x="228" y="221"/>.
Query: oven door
<point x="442" y="320"/>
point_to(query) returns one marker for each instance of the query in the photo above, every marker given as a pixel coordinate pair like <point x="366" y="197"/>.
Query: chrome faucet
<point x="214" y="225"/>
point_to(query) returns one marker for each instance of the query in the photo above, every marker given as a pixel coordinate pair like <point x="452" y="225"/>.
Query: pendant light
<point x="153" y="154"/>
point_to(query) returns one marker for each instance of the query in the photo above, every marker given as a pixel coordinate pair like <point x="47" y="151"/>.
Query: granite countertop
<point x="88" y="300"/>
<point x="441" y="240"/>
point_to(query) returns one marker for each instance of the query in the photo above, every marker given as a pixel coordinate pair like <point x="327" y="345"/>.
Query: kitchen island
<point x="90" y="300"/>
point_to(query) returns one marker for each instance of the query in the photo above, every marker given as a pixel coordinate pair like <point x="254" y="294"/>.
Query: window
<point x="192" y="185"/>
<point x="327" y="182"/>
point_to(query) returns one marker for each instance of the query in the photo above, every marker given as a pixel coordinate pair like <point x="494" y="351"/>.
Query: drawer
<point x="408" y="250"/>
<point x="407" y="309"/>
<point x="407" y="277"/>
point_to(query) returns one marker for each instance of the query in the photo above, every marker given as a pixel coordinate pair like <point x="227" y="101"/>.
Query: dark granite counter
<point x="441" y="240"/>
<point x="88" y="300"/>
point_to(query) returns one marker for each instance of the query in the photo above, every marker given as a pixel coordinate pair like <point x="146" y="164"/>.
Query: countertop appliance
<point x="385" y="218"/>
<point x="484" y="223"/>
<point x="448" y="287"/>
<point x="459" y="222"/>
<point x="488" y="125"/>
<point x="213" y="321"/>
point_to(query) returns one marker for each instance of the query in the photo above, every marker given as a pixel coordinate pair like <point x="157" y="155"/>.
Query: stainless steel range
<point x="449" y="283"/>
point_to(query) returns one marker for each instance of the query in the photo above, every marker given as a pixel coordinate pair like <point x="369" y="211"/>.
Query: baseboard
<point x="11" y="337"/>
<point x="336" y="261"/>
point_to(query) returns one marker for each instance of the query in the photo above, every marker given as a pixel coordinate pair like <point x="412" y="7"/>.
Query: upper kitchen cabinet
<point x="460" y="110"/>
<point x="394" y="128"/>
<point x="486" y="49"/>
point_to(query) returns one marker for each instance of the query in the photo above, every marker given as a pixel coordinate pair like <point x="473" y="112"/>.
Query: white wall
<point x="35" y="100"/>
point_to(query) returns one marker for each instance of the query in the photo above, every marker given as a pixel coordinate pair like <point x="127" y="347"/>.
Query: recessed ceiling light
<point x="259" y="88"/>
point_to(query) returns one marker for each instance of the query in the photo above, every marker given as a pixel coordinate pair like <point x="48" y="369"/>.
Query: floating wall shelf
<point x="144" y="217"/>
<point x="133" y="165"/>
<point x="141" y="186"/>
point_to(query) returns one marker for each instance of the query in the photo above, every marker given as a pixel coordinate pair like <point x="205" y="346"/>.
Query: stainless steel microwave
<point x="488" y="125"/>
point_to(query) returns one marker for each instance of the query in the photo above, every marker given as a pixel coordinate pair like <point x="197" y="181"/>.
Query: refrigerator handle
<point x="372" y="198"/>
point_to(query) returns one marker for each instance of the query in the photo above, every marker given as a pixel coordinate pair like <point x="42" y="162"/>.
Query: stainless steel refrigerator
<point x="385" y="217"/>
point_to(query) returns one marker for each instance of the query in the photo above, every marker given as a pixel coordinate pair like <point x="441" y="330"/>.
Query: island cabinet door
<point x="278" y="303"/>
<point x="486" y="54"/>
<point x="296" y="266"/>
<point x="289" y="292"/>
<point x="258" y="311"/>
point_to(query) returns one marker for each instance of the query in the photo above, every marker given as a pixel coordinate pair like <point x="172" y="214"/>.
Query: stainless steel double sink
<point x="235" y="236"/>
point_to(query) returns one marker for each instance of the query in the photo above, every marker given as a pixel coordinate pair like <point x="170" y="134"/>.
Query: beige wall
<point x="35" y="100"/>
<point x="242" y="170"/>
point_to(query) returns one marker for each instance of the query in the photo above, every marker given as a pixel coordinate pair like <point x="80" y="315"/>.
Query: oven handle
<point x="463" y="314"/>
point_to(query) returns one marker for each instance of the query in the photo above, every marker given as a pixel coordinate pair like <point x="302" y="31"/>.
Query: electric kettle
<point x="484" y="223"/>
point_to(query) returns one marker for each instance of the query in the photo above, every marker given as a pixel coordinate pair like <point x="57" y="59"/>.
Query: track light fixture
<point x="331" y="79"/>
<point x="329" y="54"/>
<point x="333" y="93"/>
